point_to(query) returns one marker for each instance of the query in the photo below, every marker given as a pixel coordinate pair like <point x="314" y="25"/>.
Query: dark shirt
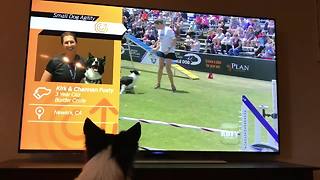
<point x="66" y="72"/>
<point x="184" y="16"/>
<point x="126" y="13"/>
<point x="237" y="43"/>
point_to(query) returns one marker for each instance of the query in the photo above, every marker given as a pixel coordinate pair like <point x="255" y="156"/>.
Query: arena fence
<point x="239" y="66"/>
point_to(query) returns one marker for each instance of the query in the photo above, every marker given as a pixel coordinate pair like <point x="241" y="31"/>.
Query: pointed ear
<point x="90" y="55"/>
<point x="89" y="128"/>
<point x="134" y="132"/>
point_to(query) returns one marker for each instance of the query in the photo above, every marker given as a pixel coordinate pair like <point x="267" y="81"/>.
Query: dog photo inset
<point x="93" y="61"/>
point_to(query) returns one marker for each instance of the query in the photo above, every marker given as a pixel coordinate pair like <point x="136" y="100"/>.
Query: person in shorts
<point x="165" y="49"/>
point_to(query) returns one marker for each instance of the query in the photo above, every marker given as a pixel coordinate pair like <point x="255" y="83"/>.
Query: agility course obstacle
<point x="150" y="58"/>
<point x="185" y="72"/>
<point x="138" y="42"/>
<point x="261" y="124"/>
<point x="176" y="125"/>
<point x="243" y="133"/>
<point x="258" y="145"/>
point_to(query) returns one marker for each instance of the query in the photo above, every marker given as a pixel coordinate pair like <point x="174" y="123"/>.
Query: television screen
<point x="195" y="81"/>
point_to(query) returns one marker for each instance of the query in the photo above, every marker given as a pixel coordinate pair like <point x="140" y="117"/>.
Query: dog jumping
<point x="127" y="83"/>
<point x="110" y="156"/>
<point x="94" y="69"/>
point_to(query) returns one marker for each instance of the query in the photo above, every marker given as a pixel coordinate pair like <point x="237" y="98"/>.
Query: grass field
<point x="212" y="103"/>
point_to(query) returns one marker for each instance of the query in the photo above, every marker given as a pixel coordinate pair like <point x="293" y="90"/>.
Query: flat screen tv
<point x="218" y="90"/>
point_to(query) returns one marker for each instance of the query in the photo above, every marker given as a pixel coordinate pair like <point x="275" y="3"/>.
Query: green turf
<point x="206" y="102"/>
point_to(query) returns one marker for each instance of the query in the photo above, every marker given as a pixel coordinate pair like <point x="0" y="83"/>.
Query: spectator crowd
<point x="214" y="34"/>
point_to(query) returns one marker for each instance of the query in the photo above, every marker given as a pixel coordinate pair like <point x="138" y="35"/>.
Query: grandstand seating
<point x="203" y="34"/>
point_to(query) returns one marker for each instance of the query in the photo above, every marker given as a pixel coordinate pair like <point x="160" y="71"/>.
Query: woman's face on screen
<point x="69" y="44"/>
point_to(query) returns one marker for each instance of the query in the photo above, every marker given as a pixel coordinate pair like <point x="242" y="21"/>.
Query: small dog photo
<point x="127" y="83"/>
<point x="110" y="156"/>
<point x="94" y="69"/>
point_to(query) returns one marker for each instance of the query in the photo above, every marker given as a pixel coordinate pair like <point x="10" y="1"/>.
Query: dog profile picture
<point x="94" y="69"/>
<point x="110" y="156"/>
<point x="89" y="47"/>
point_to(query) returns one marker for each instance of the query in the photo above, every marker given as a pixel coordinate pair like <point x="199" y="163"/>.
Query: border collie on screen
<point x="95" y="69"/>
<point x="110" y="156"/>
<point x="127" y="83"/>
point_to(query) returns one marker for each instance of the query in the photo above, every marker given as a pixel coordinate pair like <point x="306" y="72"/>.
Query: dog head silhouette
<point x="110" y="156"/>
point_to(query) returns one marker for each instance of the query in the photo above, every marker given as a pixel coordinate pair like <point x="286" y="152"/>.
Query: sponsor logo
<point x="135" y="53"/>
<point x="149" y="58"/>
<point x="101" y="27"/>
<point x="190" y="59"/>
<point x="238" y="67"/>
<point x="153" y="58"/>
<point x="213" y="64"/>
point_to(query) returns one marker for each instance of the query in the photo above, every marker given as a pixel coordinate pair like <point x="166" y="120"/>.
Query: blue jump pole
<point x="262" y="120"/>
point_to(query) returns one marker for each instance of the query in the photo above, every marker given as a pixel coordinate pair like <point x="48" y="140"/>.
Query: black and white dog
<point x="110" y="156"/>
<point x="95" y="69"/>
<point x="127" y="83"/>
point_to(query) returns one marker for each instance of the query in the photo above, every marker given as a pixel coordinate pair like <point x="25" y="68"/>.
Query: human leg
<point x="160" y="72"/>
<point x="170" y="74"/>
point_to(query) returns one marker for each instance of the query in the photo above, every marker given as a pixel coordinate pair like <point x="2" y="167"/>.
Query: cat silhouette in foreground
<point x="110" y="156"/>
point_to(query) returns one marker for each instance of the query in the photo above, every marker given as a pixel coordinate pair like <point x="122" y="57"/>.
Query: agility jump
<point x="243" y="133"/>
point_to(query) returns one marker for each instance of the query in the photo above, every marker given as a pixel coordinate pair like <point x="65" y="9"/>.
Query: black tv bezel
<point x="170" y="154"/>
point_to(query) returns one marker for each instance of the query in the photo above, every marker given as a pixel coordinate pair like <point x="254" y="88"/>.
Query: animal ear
<point x="90" y="129"/>
<point x="134" y="132"/>
<point x="94" y="138"/>
<point x="90" y="55"/>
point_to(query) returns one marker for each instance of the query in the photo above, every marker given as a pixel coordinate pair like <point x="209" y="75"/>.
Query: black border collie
<point x="94" y="69"/>
<point x="110" y="156"/>
<point x="127" y="83"/>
